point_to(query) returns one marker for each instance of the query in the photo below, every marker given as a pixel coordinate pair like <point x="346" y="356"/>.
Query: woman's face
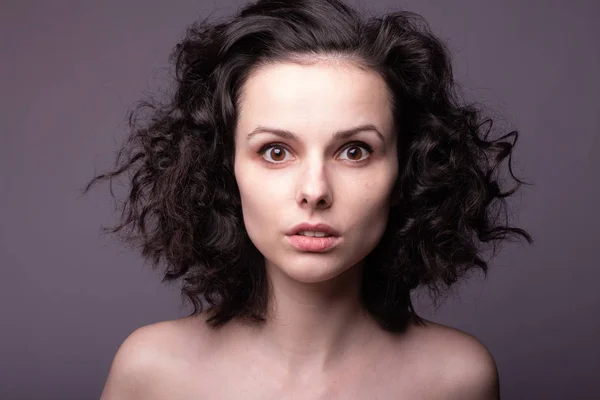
<point x="312" y="176"/>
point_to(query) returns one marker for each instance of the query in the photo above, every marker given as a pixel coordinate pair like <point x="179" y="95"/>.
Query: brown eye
<point x="277" y="153"/>
<point x="355" y="152"/>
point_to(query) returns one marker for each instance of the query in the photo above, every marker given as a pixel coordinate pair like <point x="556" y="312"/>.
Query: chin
<point x="311" y="270"/>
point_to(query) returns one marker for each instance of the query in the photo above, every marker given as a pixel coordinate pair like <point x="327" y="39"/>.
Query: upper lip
<point x="318" y="227"/>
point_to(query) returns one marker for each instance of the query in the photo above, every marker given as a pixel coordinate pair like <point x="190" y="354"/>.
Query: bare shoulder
<point x="464" y="367"/>
<point x="153" y="354"/>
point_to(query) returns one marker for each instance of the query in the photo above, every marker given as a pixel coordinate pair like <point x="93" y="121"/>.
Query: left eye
<point x="276" y="156"/>
<point x="366" y="147"/>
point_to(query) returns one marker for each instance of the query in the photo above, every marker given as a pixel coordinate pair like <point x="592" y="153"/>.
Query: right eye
<point x="275" y="151"/>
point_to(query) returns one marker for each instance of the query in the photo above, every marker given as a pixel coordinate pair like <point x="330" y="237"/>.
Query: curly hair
<point x="184" y="210"/>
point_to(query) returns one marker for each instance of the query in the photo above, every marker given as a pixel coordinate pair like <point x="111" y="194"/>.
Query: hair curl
<point x="184" y="204"/>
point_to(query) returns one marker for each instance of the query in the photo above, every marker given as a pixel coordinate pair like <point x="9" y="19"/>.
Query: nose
<point x="314" y="190"/>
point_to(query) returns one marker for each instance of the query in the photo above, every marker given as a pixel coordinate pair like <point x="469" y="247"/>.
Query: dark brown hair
<point x="184" y="209"/>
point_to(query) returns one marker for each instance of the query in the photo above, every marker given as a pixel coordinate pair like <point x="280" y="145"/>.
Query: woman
<point x="310" y="170"/>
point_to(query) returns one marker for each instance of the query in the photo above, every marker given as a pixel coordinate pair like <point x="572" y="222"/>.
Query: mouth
<point x="313" y="234"/>
<point x="313" y="230"/>
<point x="314" y="237"/>
<point x="313" y="243"/>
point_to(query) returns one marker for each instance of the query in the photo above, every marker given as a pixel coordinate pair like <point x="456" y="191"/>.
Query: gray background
<point x="70" y="70"/>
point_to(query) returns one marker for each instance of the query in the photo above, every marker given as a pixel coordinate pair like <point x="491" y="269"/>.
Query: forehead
<point x="328" y="94"/>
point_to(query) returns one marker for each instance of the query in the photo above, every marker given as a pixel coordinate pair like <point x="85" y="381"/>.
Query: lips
<point x="314" y="244"/>
<point x="315" y="227"/>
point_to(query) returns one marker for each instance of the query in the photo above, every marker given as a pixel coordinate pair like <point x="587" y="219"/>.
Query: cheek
<point x="370" y="208"/>
<point x="375" y="189"/>
<point x="260" y="192"/>
<point x="257" y="219"/>
<point x="261" y="201"/>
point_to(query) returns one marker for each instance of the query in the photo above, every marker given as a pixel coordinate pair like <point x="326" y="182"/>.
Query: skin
<point x="318" y="179"/>
<point x="318" y="342"/>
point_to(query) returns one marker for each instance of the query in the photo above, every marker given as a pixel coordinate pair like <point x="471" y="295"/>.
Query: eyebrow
<point x="339" y="135"/>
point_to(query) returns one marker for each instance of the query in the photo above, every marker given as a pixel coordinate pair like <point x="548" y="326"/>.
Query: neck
<point x="313" y="327"/>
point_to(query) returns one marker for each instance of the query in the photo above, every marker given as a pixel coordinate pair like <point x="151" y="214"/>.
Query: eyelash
<point x="268" y="146"/>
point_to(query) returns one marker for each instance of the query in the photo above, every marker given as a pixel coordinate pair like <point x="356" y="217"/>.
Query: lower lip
<point x="316" y="244"/>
